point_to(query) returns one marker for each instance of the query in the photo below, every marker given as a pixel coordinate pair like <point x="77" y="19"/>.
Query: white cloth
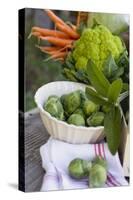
<point x="56" y="156"/>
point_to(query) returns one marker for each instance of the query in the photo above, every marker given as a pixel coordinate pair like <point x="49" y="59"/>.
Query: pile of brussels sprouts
<point x="75" y="108"/>
<point x="95" y="171"/>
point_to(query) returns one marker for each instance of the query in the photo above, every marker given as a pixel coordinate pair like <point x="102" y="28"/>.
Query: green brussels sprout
<point x="55" y="108"/>
<point x="76" y="119"/>
<point x="79" y="168"/>
<point x="99" y="160"/>
<point x="71" y="102"/>
<point x="89" y="107"/>
<point x="80" y="112"/>
<point x="62" y="98"/>
<point x="96" y="119"/>
<point x="53" y="97"/>
<point x="83" y="97"/>
<point x="97" y="176"/>
<point x="106" y="108"/>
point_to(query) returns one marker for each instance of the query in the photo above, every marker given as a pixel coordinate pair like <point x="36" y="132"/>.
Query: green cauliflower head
<point x="96" y="44"/>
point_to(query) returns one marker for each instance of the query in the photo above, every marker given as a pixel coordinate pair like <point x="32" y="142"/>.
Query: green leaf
<point x="95" y="97"/>
<point x="119" y="72"/>
<point x="97" y="79"/>
<point x="69" y="74"/>
<point x="81" y="76"/>
<point x="115" y="90"/>
<point x="112" y="128"/>
<point x="110" y="67"/>
<point x="123" y="60"/>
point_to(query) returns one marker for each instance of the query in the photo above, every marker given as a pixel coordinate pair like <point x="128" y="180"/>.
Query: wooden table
<point x="35" y="136"/>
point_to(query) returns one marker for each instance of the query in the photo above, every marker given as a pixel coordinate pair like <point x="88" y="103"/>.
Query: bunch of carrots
<point x="61" y="39"/>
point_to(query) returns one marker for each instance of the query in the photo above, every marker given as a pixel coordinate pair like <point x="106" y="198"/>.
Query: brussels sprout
<point x="71" y="102"/>
<point x="83" y="97"/>
<point x="79" y="168"/>
<point x="99" y="160"/>
<point x="55" y="108"/>
<point x="76" y="119"/>
<point x="89" y="107"/>
<point x="105" y="108"/>
<point x="97" y="176"/>
<point x="80" y="112"/>
<point x="96" y="119"/>
<point x="53" y="97"/>
<point x="62" y="98"/>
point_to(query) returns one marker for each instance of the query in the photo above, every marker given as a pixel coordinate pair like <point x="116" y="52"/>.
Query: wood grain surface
<point x="35" y="136"/>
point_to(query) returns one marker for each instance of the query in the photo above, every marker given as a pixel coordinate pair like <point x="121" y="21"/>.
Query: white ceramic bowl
<point x="59" y="129"/>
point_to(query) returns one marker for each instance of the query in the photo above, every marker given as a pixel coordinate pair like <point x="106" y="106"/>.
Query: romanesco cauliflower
<point x="96" y="44"/>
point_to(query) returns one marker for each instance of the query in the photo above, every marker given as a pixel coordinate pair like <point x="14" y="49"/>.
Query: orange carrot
<point x="48" y="32"/>
<point x="68" y="30"/>
<point x="57" y="41"/>
<point x="53" y="49"/>
<point x="56" y="56"/>
<point x="53" y="17"/>
<point x="37" y="34"/>
<point x="59" y="55"/>
<point x="48" y="48"/>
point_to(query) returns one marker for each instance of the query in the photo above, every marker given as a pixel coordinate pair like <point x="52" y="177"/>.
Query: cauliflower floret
<point x="96" y="44"/>
<point x="81" y="63"/>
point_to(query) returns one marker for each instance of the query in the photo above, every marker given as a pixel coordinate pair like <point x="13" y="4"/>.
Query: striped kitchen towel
<point x="56" y="156"/>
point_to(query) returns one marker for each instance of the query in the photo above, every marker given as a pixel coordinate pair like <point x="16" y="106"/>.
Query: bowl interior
<point x="59" y="88"/>
<point x="56" y="88"/>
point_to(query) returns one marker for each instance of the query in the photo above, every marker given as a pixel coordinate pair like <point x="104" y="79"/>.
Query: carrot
<point x="53" y="49"/>
<point x="58" y="55"/>
<point x="53" y="17"/>
<point x="48" y="49"/>
<point x="48" y="32"/>
<point x="68" y="30"/>
<point x="57" y="41"/>
<point x="36" y="33"/>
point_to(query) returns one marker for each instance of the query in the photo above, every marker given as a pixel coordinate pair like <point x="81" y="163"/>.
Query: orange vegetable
<point x="48" y="32"/>
<point x="53" y="17"/>
<point x="66" y="29"/>
<point x="47" y="49"/>
<point x="57" y="41"/>
<point x="59" y="55"/>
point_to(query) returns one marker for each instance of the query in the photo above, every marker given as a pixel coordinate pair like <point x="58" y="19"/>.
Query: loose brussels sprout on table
<point x="79" y="168"/>
<point x="99" y="160"/>
<point x="74" y="108"/>
<point x="95" y="170"/>
<point x="97" y="176"/>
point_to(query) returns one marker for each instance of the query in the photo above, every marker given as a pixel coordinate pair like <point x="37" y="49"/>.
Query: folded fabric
<point x="56" y="156"/>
